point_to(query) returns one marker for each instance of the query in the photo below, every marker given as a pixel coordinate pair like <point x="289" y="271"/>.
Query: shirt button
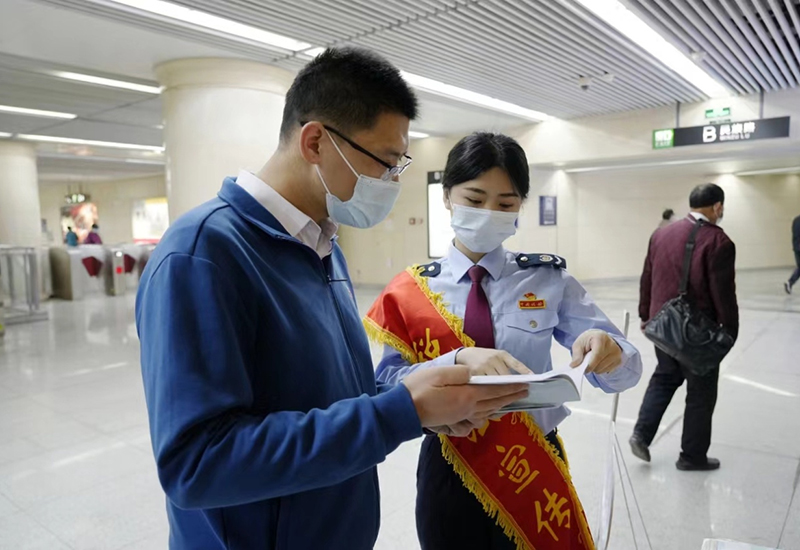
<point x="534" y="324"/>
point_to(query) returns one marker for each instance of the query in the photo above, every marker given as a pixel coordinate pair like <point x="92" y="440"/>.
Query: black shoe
<point x="687" y="466"/>
<point x="639" y="448"/>
<point x="787" y="287"/>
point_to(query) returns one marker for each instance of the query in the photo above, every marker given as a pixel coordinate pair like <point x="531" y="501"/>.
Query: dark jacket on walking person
<point x="712" y="287"/>
<point x="712" y="290"/>
<point x="796" y="248"/>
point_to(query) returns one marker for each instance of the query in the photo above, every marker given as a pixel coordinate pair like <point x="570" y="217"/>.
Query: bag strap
<point x="687" y="257"/>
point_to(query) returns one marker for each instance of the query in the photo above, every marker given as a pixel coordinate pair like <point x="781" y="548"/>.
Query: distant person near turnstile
<point x="71" y="238"/>
<point x="667" y="217"/>
<point x="93" y="237"/>
<point x="796" y="247"/>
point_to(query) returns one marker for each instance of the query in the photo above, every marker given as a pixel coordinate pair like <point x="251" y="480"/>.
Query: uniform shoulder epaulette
<point x="430" y="270"/>
<point x="536" y="260"/>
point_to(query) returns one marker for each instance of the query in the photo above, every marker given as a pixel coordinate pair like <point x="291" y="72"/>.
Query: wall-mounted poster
<point x="150" y="220"/>
<point x="548" y="214"/>
<point x="80" y="217"/>
<point x="440" y="234"/>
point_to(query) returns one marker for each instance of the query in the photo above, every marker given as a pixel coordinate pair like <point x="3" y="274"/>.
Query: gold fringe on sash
<point x="455" y="323"/>
<point x="494" y="509"/>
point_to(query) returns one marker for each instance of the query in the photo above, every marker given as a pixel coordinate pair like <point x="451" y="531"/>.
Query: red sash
<point x="508" y="464"/>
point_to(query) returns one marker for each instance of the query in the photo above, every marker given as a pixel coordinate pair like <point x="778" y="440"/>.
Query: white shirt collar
<point x="699" y="216"/>
<point x="297" y="224"/>
<point x="494" y="262"/>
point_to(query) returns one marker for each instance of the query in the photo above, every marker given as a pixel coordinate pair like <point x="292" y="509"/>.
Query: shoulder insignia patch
<point x="537" y="260"/>
<point x="431" y="270"/>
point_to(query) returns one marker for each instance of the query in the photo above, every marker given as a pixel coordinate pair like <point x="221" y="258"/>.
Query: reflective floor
<point x="76" y="470"/>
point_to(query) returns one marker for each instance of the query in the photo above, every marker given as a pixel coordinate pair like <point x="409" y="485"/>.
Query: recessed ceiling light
<point x="35" y="112"/>
<point x="440" y="88"/>
<point x="214" y="23"/>
<point x="417" y="135"/>
<point x="628" y="23"/>
<point x="91" y="143"/>
<point x="110" y="82"/>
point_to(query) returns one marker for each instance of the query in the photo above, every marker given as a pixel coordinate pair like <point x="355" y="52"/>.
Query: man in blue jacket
<point x="265" y="418"/>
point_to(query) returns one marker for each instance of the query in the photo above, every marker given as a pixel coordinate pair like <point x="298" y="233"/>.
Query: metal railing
<point x="20" y="285"/>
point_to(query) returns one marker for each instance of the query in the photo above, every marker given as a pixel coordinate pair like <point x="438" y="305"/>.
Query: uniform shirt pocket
<point x="531" y="321"/>
<point x="527" y="335"/>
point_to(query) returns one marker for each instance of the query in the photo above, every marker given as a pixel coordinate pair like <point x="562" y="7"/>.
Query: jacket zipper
<point x="327" y="280"/>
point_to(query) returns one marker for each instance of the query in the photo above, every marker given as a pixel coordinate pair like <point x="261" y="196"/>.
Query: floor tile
<point x="21" y="532"/>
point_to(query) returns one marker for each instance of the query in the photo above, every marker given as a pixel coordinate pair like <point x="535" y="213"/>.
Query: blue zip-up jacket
<point x="265" y="418"/>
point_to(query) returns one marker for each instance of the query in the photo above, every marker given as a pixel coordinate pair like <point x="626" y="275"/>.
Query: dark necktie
<point x="478" y="317"/>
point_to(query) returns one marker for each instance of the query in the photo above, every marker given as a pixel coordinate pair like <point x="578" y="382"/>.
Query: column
<point x="20" y="212"/>
<point x="220" y="115"/>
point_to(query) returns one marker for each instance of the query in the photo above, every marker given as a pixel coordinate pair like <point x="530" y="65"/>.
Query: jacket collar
<point x="250" y="209"/>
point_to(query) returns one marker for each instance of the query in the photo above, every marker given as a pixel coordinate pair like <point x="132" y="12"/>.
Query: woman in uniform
<point x="506" y="484"/>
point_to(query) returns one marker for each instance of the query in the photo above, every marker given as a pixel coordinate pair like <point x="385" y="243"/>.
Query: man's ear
<point x="309" y="139"/>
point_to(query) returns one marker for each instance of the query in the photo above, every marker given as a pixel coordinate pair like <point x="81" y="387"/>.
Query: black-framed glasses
<point x="391" y="171"/>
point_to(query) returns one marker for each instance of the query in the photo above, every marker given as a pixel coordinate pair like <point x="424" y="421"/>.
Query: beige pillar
<point x="220" y="115"/>
<point x="20" y="212"/>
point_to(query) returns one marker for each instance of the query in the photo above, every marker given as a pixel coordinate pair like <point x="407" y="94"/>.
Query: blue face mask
<point x="371" y="202"/>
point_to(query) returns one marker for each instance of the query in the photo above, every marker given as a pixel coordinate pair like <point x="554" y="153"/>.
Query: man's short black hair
<point x="705" y="195"/>
<point x="347" y="88"/>
<point x="480" y="152"/>
<point x="95" y="226"/>
<point x="667" y="214"/>
<point x="69" y="228"/>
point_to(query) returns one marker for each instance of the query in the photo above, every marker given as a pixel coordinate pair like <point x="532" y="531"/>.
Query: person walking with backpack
<point x="711" y="291"/>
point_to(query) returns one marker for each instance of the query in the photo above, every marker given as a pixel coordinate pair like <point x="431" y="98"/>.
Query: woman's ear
<point x="446" y="198"/>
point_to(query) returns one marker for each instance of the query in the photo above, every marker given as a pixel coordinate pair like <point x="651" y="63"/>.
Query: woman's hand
<point x="489" y="362"/>
<point x="607" y="353"/>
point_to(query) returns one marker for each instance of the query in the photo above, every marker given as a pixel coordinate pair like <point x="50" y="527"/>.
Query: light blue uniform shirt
<point x="524" y="333"/>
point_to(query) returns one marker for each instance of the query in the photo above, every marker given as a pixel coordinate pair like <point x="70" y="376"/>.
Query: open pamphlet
<point x="551" y="389"/>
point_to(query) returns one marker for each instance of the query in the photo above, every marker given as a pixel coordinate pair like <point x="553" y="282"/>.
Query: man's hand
<point x="482" y="361"/>
<point x="443" y="398"/>
<point x="607" y="353"/>
<point x="643" y="325"/>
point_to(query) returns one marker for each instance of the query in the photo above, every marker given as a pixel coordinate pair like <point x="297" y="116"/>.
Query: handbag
<point x="683" y="332"/>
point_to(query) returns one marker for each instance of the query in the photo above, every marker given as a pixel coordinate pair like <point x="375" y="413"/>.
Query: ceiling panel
<point x="751" y="45"/>
<point x="29" y="88"/>
<point x="16" y="124"/>
<point x="528" y="52"/>
<point x="105" y="131"/>
<point x="146" y="114"/>
<point x="66" y="168"/>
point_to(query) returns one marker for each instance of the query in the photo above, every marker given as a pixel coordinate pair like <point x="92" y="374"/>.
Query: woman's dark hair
<point x="667" y="214"/>
<point x="95" y="226"/>
<point x="480" y="152"/>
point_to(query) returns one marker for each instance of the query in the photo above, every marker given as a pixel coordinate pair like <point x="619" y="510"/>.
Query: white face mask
<point x="482" y="230"/>
<point x="371" y="202"/>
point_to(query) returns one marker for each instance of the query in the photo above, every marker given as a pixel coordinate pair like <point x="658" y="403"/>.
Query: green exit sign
<point x="663" y="139"/>
<point x="719" y="112"/>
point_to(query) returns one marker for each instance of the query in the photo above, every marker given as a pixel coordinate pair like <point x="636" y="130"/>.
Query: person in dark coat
<point x="796" y="247"/>
<point x="712" y="290"/>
